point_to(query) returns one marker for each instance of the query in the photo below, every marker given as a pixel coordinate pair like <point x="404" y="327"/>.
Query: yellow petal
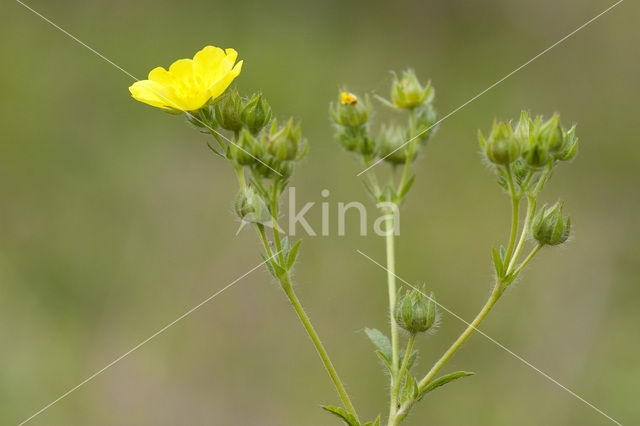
<point x="211" y="63"/>
<point x="221" y="85"/>
<point x="162" y="76"/>
<point x="150" y="92"/>
<point x="182" y="71"/>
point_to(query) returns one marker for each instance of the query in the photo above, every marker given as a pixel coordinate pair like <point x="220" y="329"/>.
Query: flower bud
<point x="256" y="113"/>
<point x="408" y="93"/>
<point x="426" y="119"/>
<point x="286" y="144"/>
<point x="228" y="111"/>
<point x="569" y="146"/>
<point x="250" y="207"/>
<point x="416" y="312"/>
<point x="350" y="112"/>
<point x="246" y="149"/>
<point x="391" y="145"/>
<point x="549" y="227"/>
<point x="501" y="147"/>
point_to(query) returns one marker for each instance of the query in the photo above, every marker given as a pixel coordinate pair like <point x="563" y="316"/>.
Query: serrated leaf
<point x="441" y="381"/>
<point x="386" y="361"/>
<point x="380" y="340"/>
<point x="293" y="253"/>
<point x="343" y="414"/>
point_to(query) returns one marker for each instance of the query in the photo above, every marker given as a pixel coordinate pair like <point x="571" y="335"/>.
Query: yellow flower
<point x="348" y="98"/>
<point x="190" y="83"/>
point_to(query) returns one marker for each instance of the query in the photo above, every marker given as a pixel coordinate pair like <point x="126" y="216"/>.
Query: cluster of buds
<point x="415" y="312"/>
<point x="351" y="116"/>
<point x="394" y="143"/>
<point x="271" y="150"/>
<point x="550" y="227"/>
<point x="532" y="144"/>
<point x="268" y="150"/>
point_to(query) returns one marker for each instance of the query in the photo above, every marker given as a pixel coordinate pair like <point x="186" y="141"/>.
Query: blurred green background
<point x="115" y="218"/>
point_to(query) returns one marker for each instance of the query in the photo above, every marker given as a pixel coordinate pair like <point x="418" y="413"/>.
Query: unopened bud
<point x="256" y="113"/>
<point x="408" y="93"/>
<point x="501" y="147"/>
<point x="246" y="150"/>
<point x="350" y="111"/>
<point x="228" y="111"/>
<point x="416" y="312"/>
<point x="549" y="227"/>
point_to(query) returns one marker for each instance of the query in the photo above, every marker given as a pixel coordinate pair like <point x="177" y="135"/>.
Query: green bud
<point x="549" y="227"/>
<point x="415" y="312"/>
<point x="256" y="113"/>
<point x="426" y="119"/>
<point x="246" y="149"/>
<point x="350" y="111"/>
<point x="502" y="147"/>
<point x="408" y="93"/>
<point x="550" y="134"/>
<point x="203" y="118"/>
<point x="286" y="144"/>
<point x="228" y="111"/>
<point x="569" y="146"/>
<point x="250" y="207"/>
<point x="390" y="145"/>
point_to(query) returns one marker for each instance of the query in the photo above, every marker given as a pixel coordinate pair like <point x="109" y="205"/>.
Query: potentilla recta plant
<point x="264" y="152"/>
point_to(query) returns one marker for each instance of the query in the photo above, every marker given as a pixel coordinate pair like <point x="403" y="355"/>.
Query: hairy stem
<point x="395" y="391"/>
<point x="391" y="284"/>
<point x="285" y="282"/>
<point x="324" y="356"/>
<point x="515" y="214"/>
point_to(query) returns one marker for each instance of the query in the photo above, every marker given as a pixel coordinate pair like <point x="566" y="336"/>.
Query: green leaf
<point x="406" y="187"/>
<point x="293" y="253"/>
<point x="386" y="361"/>
<point x="345" y="416"/>
<point x="444" y="380"/>
<point x="380" y="340"/>
<point x="376" y="422"/>
<point x="412" y="360"/>
<point x="267" y="262"/>
<point x="497" y="262"/>
<point x="410" y="389"/>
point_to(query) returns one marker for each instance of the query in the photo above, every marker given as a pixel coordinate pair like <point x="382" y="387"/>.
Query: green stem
<point x="495" y="295"/>
<point x="412" y="147"/>
<point x="285" y="282"/>
<point x="395" y="391"/>
<point x="288" y="289"/>
<point x="274" y="215"/>
<point x="531" y="209"/>
<point x="391" y="285"/>
<point x="515" y="214"/>
<point x="527" y="259"/>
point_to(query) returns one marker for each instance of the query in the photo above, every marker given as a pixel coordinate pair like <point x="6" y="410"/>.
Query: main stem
<point x="285" y="282"/>
<point x="391" y="284"/>
<point x="288" y="290"/>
